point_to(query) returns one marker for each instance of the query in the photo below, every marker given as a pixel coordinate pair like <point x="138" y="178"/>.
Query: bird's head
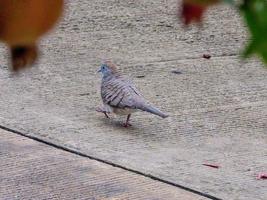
<point x="107" y="68"/>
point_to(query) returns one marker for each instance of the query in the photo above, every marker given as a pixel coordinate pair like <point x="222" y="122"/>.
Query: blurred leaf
<point x="202" y="2"/>
<point x="249" y="49"/>
<point x="255" y="13"/>
<point x="193" y="10"/>
<point x="229" y="2"/>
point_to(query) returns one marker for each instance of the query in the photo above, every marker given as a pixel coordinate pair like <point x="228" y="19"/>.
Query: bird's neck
<point x="110" y="75"/>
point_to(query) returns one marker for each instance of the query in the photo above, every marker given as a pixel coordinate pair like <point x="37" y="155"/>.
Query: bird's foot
<point x="102" y="111"/>
<point x="126" y="124"/>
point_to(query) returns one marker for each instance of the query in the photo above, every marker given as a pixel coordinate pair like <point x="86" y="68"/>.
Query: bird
<point x="120" y="96"/>
<point x="22" y="23"/>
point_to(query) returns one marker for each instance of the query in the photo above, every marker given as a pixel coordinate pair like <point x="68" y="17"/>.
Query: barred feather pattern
<point x="119" y="93"/>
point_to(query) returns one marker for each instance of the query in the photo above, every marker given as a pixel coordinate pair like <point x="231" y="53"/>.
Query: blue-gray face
<point x="104" y="69"/>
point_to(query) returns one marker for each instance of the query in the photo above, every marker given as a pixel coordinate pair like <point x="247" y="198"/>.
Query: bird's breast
<point x="119" y="111"/>
<point x="124" y="111"/>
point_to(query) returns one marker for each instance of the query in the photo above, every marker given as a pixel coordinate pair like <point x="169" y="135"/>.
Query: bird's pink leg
<point x="105" y="113"/>
<point x="102" y="111"/>
<point x="127" y="124"/>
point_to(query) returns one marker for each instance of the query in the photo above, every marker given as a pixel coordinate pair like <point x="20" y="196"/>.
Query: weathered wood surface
<point x="217" y="107"/>
<point x="32" y="170"/>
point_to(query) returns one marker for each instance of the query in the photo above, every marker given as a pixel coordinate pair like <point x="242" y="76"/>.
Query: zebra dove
<point x="120" y="96"/>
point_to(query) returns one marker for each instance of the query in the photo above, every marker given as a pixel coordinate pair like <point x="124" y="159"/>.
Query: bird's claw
<point x="98" y="109"/>
<point x="102" y="111"/>
<point x="126" y="125"/>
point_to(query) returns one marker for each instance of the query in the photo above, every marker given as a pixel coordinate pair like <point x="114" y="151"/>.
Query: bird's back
<point x="119" y="92"/>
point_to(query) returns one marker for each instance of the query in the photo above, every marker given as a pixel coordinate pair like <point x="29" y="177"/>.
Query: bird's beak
<point x="99" y="71"/>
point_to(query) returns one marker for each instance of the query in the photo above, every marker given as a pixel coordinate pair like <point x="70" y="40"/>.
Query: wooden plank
<point x="32" y="170"/>
<point x="217" y="107"/>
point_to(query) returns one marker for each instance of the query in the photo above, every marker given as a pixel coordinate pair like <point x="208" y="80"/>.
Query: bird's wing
<point x="120" y="92"/>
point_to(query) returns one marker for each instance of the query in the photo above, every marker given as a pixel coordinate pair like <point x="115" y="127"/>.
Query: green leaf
<point x="249" y="50"/>
<point x="255" y="14"/>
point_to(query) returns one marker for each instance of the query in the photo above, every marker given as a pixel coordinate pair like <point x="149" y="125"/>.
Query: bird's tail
<point x="153" y="110"/>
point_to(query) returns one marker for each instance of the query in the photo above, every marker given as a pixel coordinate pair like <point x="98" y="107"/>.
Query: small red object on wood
<point x="207" y="56"/>
<point x="262" y="176"/>
<point x="211" y="165"/>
